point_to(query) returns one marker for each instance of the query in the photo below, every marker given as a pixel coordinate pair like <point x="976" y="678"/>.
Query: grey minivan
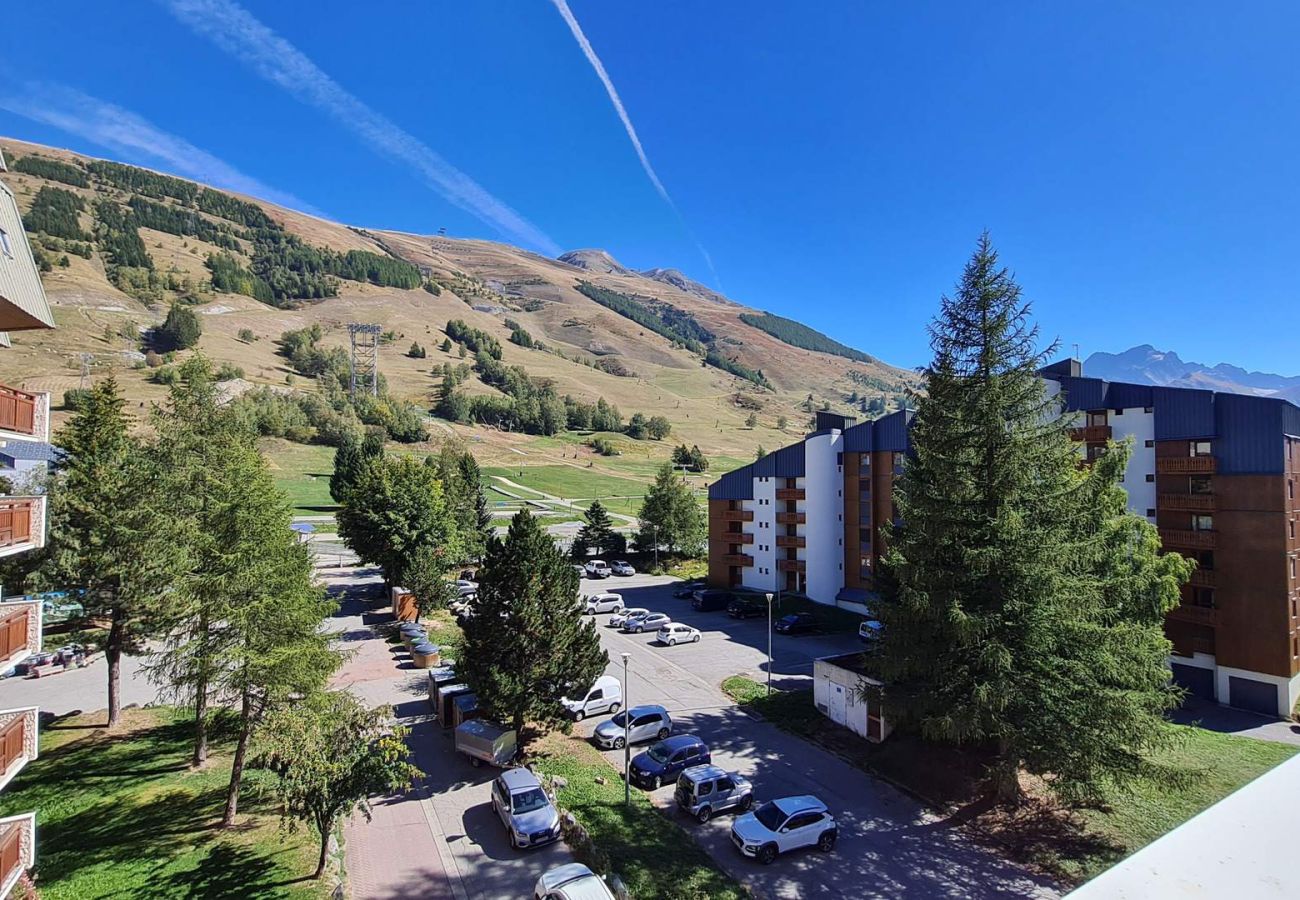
<point x="705" y="790"/>
<point x="523" y="807"/>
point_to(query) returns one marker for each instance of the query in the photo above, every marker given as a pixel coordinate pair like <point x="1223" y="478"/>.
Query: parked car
<point x="633" y="726"/>
<point x="705" y="790"/>
<point x="686" y="590"/>
<point x="530" y="818"/>
<point x="571" y="881"/>
<point x="465" y="589"/>
<point x="599" y="603"/>
<point x="581" y="570"/>
<point x="869" y="631"/>
<point x="796" y="623"/>
<point x="675" y="633"/>
<point x="649" y="622"/>
<point x="711" y="599"/>
<point x="606" y="695"/>
<point x="619" y="619"/>
<point x="744" y="607"/>
<point x="623" y="567"/>
<point x="664" y="761"/>
<point x="598" y="568"/>
<point x="780" y="826"/>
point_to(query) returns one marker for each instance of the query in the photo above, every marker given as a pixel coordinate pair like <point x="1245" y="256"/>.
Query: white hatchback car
<point x="619" y="619"/>
<point x="599" y="603"/>
<point x="675" y="633"/>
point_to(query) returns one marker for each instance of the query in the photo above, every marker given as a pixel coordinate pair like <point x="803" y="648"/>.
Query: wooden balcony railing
<point x="1185" y="465"/>
<point x="16" y="520"/>
<point x="791" y="565"/>
<point x="18" y="411"/>
<point x="790" y="540"/>
<point x="17" y="847"/>
<point x="789" y="493"/>
<point x="1200" y="540"/>
<point x="738" y="559"/>
<point x="1198" y="615"/>
<point x="15" y="627"/>
<point x="742" y="537"/>
<point x="1203" y="645"/>
<point x="1194" y="502"/>
<point x="1091" y="433"/>
<point x="13" y="742"/>
<point x="791" y="518"/>
<point x="737" y="515"/>
<point x="1203" y="578"/>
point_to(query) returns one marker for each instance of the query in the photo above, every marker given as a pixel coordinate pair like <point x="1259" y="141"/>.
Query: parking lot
<point x="889" y="845"/>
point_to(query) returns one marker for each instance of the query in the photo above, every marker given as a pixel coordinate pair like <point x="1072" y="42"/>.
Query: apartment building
<point x="1216" y="473"/>
<point x="24" y="418"/>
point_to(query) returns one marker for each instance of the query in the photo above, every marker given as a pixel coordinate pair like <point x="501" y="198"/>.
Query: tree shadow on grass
<point x="226" y="872"/>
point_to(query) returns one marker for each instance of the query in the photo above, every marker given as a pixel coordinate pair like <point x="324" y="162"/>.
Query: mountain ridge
<point x="1144" y="364"/>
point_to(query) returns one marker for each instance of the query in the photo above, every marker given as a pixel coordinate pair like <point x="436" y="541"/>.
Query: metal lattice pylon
<point x="365" y="359"/>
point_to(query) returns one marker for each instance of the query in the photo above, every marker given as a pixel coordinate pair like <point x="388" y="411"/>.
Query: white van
<point x="606" y="695"/>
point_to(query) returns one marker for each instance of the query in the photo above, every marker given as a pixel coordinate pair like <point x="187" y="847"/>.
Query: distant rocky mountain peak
<point x="594" y="260"/>
<point x="1144" y="364"/>
<point x="679" y="280"/>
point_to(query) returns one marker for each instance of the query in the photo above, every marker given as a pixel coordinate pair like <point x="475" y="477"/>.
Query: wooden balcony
<point x="791" y="540"/>
<point x="1197" y="615"/>
<point x="1185" y="465"/>
<point x="24" y="415"/>
<point x="1203" y="578"/>
<point x="737" y="515"/>
<point x="740" y="537"/>
<point x="1199" y="540"/>
<point x="20" y="630"/>
<point x="737" y="559"/>
<point x="1091" y="433"/>
<point x="1203" y="645"/>
<point x="18" y="744"/>
<point x="17" y="849"/>
<point x="790" y="565"/>
<point x="22" y="524"/>
<point x="1193" y="502"/>
<point x="791" y="518"/>
<point x="789" y="493"/>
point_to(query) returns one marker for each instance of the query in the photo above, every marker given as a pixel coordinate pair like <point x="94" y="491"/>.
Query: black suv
<point x="744" y="607"/>
<point x="710" y="600"/>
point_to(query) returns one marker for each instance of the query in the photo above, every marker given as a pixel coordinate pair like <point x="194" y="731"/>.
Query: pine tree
<point x="350" y="459"/>
<point x="751" y="421"/>
<point x="670" y="517"/>
<point x="598" y="533"/>
<point x="111" y="535"/>
<point x="1022" y="605"/>
<point x="527" y="644"/>
<point x="446" y="345"/>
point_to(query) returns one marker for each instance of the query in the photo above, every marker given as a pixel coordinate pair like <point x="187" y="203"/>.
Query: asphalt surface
<point x="889" y="845"/>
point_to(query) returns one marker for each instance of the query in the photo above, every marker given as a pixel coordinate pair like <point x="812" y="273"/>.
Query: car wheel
<point x="704" y="814"/>
<point x="826" y="843"/>
<point x="767" y="855"/>
<point x="672" y="642"/>
<point x="614" y="708"/>
<point x="695" y="640"/>
<point x="619" y="743"/>
<point x="747" y="804"/>
<point x="663" y="733"/>
<point x="579" y="716"/>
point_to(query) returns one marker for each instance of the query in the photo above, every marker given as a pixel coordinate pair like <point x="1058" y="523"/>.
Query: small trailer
<point x="486" y="742"/>
<point x="447" y="694"/>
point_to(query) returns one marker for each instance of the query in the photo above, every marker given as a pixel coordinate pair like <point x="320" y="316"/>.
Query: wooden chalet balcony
<point x="790" y="540"/>
<point x="1203" y="578"/>
<point x="789" y="493"/>
<point x="1091" y="433"/>
<point x="738" y="559"/>
<point x="1197" y="615"/>
<point x="1193" y="502"/>
<point x="24" y="415"/>
<point x="791" y="518"/>
<point x="18" y="745"/>
<point x="1185" y="465"/>
<point x="790" y="565"/>
<point x="1203" y="645"/>
<point x="1200" y="540"/>
<point x="17" y="849"/>
<point x="737" y="515"/>
<point x="20" y="631"/>
<point x="740" y="537"/>
<point x="22" y="524"/>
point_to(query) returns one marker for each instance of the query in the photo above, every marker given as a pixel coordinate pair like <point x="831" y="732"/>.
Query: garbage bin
<point x="425" y="655"/>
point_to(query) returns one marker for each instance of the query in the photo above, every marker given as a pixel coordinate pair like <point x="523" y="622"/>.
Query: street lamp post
<point x="627" y="750"/>
<point x="654" y="530"/>
<point x="769" y="645"/>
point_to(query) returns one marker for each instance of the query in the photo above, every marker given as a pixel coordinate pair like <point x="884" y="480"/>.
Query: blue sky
<point x="1136" y="164"/>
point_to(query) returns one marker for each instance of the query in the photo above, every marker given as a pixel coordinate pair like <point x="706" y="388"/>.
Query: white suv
<point x="675" y="633"/>
<point x="782" y="825"/>
<point x="599" y="603"/>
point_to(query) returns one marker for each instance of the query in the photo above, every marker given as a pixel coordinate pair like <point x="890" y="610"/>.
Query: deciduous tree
<point x="670" y="517"/>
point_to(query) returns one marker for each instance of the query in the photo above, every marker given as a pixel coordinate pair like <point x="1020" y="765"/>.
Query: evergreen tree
<point x="527" y="644"/>
<point x="1022" y="604"/>
<point x="477" y="528"/>
<point x="598" y="533"/>
<point x="670" y="517"/>
<point x="759" y="452"/>
<point x="446" y="345"/>
<point x="350" y="460"/>
<point x="751" y="421"/>
<point x="111" y="535"/>
<point x="181" y="329"/>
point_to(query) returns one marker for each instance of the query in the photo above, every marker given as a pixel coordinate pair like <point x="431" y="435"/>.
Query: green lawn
<point x="121" y="815"/>
<point x="1076" y="846"/>
<point x="655" y="857"/>
<point x="567" y="481"/>
<point x="303" y="472"/>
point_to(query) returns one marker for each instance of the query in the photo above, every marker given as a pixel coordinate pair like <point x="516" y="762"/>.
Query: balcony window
<point x="1097" y="418"/>
<point x="1203" y="597"/>
<point x="1096" y="451"/>
<point x="1200" y="484"/>
<point x="1201" y="448"/>
<point x="1205" y="559"/>
<point x="1202" y="523"/>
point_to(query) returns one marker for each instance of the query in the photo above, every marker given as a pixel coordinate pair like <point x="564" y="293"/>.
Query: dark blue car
<point x="664" y="761"/>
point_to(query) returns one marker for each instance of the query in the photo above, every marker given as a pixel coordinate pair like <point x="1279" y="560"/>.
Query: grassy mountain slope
<point x="481" y="282"/>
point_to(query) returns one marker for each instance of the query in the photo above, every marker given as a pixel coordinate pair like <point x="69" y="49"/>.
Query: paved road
<point x="889" y="845"/>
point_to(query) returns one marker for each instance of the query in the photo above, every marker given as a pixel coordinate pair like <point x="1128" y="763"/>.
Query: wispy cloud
<point x="588" y="51"/>
<point x="131" y="136"/>
<point x="237" y="32"/>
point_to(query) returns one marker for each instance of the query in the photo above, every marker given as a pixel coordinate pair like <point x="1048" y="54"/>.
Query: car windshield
<point x="659" y="753"/>
<point x="528" y="801"/>
<point x="770" y="815"/>
<point x="620" y="720"/>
